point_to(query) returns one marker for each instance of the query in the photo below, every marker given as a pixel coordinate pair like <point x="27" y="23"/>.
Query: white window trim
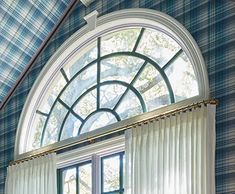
<point x="86" y="153"/>
<point x="109" y="22"/>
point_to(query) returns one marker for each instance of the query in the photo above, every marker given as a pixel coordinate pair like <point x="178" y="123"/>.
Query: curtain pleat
<point x="37" y="176"/>
<point x="172" y="155"/>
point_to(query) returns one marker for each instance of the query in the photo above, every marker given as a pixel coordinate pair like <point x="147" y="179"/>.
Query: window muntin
<point x="115" y="83"/>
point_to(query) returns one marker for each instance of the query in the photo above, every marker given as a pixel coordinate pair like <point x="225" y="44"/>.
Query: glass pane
<point x="87" y="104"/>
<point x="111" y="168"/>
<point x="121" y="68"/>
<point x="182" y="78"/>
<point x="36" y="133"/>
<point x="158" y="46"/>
<point x="80" y="60"/>
<point x="98" y="120"/>
<point x="71" y="127"/>
<point x="123" y="40"/>
<point x="54" y="124"/>
<point x="55" y="88"/>
<point x="85" y="179"/>
<point x="153" y="88"/>
<point x="110" y="94"/>
<point x="80" y="84"/>
<point x="130" y="106"/>
<point x="69" y="181"/>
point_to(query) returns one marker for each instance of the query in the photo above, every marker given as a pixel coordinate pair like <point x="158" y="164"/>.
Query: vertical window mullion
<point x="102" y="175"/>
<point x="98" y="71"/>
<point x="77" y="180"/>
<point x="59" y="181"/>
<point x="121" y="173"/>
<point x="96" y="174"/>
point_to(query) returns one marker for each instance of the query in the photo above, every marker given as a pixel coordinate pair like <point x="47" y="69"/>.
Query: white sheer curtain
<point x="174" y="155"/>
<point x="37" y="176"/>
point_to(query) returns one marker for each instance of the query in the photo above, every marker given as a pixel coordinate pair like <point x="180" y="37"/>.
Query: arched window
<point x="134" y="62"/>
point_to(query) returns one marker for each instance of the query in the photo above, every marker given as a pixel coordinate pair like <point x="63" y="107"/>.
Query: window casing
<point x="95" y="155"/>
<point x="76" y="46"/>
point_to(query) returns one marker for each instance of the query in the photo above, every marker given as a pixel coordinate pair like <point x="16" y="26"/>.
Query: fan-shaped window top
<point x="122" y="74"/>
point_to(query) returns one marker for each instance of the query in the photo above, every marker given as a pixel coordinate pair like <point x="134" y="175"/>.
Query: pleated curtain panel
<point x="37" y="176"/>
<point x="173" y="155"/>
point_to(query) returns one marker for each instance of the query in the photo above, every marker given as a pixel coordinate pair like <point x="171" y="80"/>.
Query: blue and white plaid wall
<point x="24" y="25"/>
<point x="211" y="23"/>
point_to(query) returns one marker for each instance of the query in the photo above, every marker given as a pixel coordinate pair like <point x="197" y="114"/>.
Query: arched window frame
<point x="78" y="41"/>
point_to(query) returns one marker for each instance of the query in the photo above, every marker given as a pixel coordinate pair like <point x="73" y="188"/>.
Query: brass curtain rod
<point x="119" y="129"/>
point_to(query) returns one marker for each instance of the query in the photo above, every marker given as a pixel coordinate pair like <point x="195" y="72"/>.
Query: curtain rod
<point x="119" y="129"/>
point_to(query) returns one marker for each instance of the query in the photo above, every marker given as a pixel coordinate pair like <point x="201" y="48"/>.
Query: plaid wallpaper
<point x="211" y="23"/>
<point x="24" y="25"/>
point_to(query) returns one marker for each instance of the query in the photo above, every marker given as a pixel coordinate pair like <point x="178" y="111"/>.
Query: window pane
<point x="71" y="127"/>
<point x="153" y="88"/>
<point x="110" y="94"/>
<point x="69" y="181"/>
<point x="55" y="88"/>
<point x="86" y="104"/>
<point x="123" y="40"/>
<point x="85" y="179"/>
<point x="121" y="68"/>
<point x="80" y="84"/>
<point x="54" y="124"/>
<point x="36" y="134"/>
<point x="182" y="78"/>
<point x="158" y="46"/>
<point x="98" y="120"/>
<point x="111" y="168"/>
<point x="80" y="60"/>
<point x="130" y="106"/>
